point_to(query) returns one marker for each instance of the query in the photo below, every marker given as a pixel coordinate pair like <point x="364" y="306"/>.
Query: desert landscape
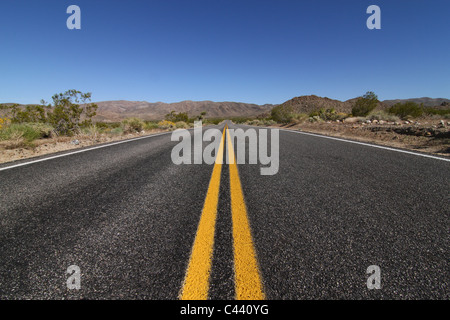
<point x="428" y="132"/>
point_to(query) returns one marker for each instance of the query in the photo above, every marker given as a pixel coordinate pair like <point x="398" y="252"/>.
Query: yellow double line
<point x="248" y="284"/>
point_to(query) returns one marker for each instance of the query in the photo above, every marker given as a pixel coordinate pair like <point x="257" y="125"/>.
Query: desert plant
<point x="133" y="125"/>
<point x="92" y="131"/>
<point x="68" y="110"/>
<point x="181" y="125"/>
<point x="177" y="117"/>
<point x="365" y="104"/>
<point x="382" y="115"/>
<point x="282" y="114"/>
<point x="3" y="122"/>
<point x="26" y="131"/>
<point x="166" y="124"/>
<point x="434" y="111"/>
<point x="117" y="131"/>
<point x="150" y="125"/>
<point x="407" y="109"/>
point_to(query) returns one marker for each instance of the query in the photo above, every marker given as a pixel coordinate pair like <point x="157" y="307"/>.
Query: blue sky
<point x="264" y="51"/>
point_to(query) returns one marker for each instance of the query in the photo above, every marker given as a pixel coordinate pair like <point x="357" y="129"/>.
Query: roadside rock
<point x="351" y="120"/>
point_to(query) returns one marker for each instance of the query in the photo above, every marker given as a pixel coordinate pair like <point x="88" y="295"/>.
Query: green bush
<point x="282" y="114"/>
<point x="327" y="115"/>
<point x="434" y="111"/>
<point x="27" y="131"/>
<point x="177" y="117"/>
<point x="181" y="125"/>
<point x="133" y="125"/>
<point x="239" y="120"/>
<point x="64" y="114"/>
<point x="365" y="104"/>
<point x="150" y="125"/>
<point x="214" y="121"/>
<point x="165" y="124"/>
<point x="382" y="115"/>
<point x="407" y="109"/>
<point x="117" y="131"/>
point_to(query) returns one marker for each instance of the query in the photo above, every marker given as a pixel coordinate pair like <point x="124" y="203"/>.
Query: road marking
<point x="80" y="151"/>
<point x="247" y="277"/>
<point x="368" y="145"/>
<point x="196" y="282"/>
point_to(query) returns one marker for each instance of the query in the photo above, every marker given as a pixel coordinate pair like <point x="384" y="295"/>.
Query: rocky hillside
<point x="307" y="104"/>
<point x="118" y="110"/>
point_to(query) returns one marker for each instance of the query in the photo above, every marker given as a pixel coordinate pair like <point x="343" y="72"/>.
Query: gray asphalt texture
<point x="127" y="216"/>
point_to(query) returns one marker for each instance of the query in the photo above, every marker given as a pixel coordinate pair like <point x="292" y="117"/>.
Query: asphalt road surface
<point x="140" y="227"/>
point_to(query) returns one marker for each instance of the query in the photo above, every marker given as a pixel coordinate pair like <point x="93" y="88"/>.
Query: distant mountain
<point x="118" y="110"/>
<point x="427" y="102"/>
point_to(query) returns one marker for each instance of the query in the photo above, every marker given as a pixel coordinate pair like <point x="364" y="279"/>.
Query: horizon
<point x="255" y="52"/>
<point x="307" y="95"/>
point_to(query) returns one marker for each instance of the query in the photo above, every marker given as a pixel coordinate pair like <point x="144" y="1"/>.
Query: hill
<point x="307" y="104"/>
<point x="118" y="110"/>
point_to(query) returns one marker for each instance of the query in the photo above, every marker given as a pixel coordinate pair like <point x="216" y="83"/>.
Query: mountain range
<point x="117" y="110"/>
<point x="120" y="109"/>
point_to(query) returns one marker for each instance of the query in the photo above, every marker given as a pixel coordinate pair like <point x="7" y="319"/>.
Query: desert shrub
<point x="3" y="122"/>
<point x="181" y="125"/>
<point x="282" y="114"/>
<point x="365" y="104"/>
<point x="407" y="109"/>
<point x="28" y="114"/>
<point x="382" y="115"/>
<point x="27" y="131"/>
<point x="253" y="122"/>
<point x="103" y="125"/>
<point x="299" y="117"/>
<point x="92" y="131"/>
<point x="268" y="122"/>
<point x="166" y="124"/>
<point x="150" y="125"/>
<point x="177" y="117"/>
<point x="117" y="131"/>
<point x="214" y="121"/>
<point x="327" y="114"/>
<point x="133" y="125"/>
<point x="239" y="120"/>
<point x="434" y="111"/>
<point x="315" y="118"/>
<point x="69" y="111"/>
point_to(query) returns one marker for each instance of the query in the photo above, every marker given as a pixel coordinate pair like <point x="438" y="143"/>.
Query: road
<point x="128" y="218"/>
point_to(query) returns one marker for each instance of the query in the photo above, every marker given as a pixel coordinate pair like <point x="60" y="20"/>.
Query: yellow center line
<point x="247" y="277"/>
<point x="196" y="282"/>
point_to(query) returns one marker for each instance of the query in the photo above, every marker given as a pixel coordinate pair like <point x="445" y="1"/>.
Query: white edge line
<point x="361" y="143"/>
<point x="84" y="150"/>
<point x="366" y="144"/>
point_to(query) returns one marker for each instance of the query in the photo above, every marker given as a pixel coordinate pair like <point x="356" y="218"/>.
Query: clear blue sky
<point x="258" y="51"/>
